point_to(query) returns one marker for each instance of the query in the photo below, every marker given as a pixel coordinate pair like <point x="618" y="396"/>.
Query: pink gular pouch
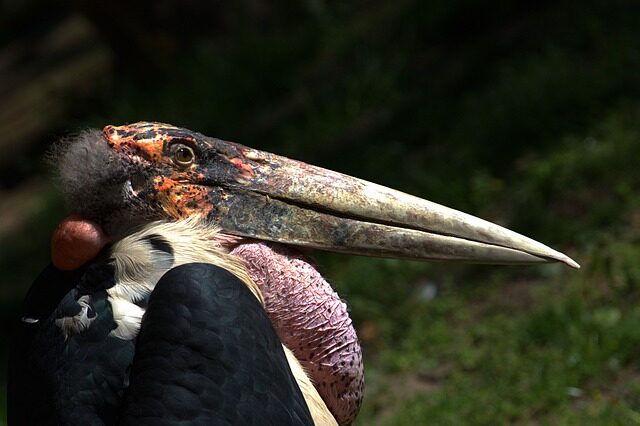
<point x="312" y="321"/>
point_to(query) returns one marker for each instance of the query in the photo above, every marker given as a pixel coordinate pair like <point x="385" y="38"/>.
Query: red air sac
<point x="75" y="242"/>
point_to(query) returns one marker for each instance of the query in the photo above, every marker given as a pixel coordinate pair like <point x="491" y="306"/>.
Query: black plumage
<point x="67" y="378"/>
<point x="206" y="354"/>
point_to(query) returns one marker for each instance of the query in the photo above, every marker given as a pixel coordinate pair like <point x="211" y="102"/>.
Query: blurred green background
<point x="525" y="115"/>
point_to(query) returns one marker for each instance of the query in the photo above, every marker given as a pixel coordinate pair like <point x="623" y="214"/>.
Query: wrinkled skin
<point x="312" y="320"/>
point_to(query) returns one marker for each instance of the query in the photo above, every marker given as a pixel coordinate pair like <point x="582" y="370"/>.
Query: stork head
<point x="131" y="174"/>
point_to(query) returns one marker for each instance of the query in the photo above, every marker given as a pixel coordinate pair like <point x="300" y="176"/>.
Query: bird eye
<point x="183" y="155"/>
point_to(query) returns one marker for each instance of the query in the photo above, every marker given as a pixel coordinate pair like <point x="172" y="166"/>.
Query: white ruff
<point x="139" y="266"/>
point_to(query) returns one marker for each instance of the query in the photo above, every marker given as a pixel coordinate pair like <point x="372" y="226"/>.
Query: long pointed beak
<point x="295" y="203"/>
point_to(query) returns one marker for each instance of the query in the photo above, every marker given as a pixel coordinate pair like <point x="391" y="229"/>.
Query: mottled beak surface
<point x="295" y="203"/>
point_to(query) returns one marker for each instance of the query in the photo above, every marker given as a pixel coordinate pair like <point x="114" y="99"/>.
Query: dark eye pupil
<point x="184" y="155"/>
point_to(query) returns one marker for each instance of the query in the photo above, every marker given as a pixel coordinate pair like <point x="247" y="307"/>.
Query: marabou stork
<point x="171" y="298"/>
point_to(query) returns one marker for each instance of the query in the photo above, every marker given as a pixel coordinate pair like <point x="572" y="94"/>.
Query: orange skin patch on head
<point x="143" y="139"/>
<point x="181" y="200"/>
<point x="153" y="151"/>
<point x="75" y="242"/>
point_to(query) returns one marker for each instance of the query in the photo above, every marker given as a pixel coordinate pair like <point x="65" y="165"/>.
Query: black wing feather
<point x="208" y="354"/>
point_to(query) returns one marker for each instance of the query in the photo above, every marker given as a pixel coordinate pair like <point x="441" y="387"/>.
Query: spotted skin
<point x="148" y="145"/>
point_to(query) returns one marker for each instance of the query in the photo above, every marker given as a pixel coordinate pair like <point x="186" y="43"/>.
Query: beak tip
<point x="569" y="262"/>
